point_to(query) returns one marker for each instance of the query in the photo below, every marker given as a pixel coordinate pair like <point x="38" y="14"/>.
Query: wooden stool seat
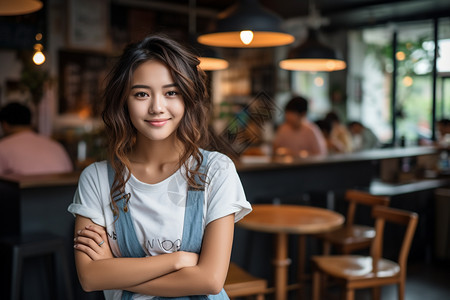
<point x="354" y="267"/>
<point x="240" y="283"/>
<point x="352" y="237"/>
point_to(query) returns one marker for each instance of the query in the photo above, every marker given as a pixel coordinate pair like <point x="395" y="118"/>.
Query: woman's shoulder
<point x="216" y="161"/>
<point x="216" y="157"/>
<point x="95" y="169"/>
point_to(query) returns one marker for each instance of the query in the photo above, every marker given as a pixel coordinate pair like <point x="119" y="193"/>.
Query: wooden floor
<point x="425" y="281"/>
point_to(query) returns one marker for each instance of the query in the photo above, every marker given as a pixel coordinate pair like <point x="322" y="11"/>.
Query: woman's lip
<point x="157" y="123"/>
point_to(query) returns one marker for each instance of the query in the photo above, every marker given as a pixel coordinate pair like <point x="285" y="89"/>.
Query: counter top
<point x="264" y="162"/>
<point x="31" y="181"/>
<point x="389" y="189"/>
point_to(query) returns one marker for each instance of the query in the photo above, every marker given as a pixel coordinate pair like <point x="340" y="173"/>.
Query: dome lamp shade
<point x="247" y="25"/>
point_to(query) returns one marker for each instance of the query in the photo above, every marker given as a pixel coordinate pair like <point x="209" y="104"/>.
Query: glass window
<point x="370" y="79"/>
<point x="415" y="59"/>
<point x="369" y="83"/>
<point x="443" y="68"/>
<point x="314" y="87"/>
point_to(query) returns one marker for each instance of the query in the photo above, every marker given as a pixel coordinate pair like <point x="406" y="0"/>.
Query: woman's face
<point x="155" y="104"/>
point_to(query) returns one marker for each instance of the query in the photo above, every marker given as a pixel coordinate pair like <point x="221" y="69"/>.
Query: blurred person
<point x="297" y="135"/>
<point x="443" y="127"/>
<point x="333" y="145"/>
<point x="339" y="134"/>
<point x="25" y="152"/>
<point x="363" y="138"/>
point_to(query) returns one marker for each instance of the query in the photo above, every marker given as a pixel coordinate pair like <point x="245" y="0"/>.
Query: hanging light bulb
<point x="261" y="28"/>
<point x="38" y="57"/>
<point x="246" y="36"/>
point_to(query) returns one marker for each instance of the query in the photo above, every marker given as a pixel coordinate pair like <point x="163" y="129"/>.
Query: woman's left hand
<point x="93" y="241"/>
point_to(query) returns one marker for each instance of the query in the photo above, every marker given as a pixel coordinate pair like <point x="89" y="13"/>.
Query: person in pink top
<point x="297" y="136"/>
<point x="25" y="152"/>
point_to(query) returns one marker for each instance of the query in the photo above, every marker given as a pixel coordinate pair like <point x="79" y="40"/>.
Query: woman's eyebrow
<point x="140" y="86"/>
<point x="170" y="85"/>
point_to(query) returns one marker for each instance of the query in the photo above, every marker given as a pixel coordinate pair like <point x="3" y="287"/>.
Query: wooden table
<point x="289" y="219"/>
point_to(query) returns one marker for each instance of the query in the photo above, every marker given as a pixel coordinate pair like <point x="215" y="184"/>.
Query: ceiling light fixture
<point x="210" y="60"/>
<point x="38" y="57"/>
<point x="19" y="7"/>
<point x="247" y="25"/>
<point x="312" y="54"/>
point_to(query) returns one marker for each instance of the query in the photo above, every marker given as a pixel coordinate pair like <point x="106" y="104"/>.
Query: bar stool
<point x="37" y="245"/>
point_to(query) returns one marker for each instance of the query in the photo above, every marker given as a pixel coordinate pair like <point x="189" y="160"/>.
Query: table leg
<point x="301" y="263"/>
<point x="281" y="263"/>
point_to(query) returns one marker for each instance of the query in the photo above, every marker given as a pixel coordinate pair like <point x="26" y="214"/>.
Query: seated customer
<point x="333" y="145"/>
<point x="363" y="137"/>
<point x="23" y="151"/>
<point x="297" y="135"/>
<point x="339" y="134"/>
<point x="443" y="128"/>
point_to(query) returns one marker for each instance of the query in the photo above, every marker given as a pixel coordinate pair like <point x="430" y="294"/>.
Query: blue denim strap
<point x="126" y="235"/>
<point x="193" y="226"/>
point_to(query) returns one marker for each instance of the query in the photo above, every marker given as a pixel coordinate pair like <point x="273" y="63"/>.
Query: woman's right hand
<point x="93" y="241"/>
<point x="186" y="259"/>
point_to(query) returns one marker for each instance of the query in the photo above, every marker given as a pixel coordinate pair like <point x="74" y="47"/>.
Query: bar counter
<point x="263" y="163"/>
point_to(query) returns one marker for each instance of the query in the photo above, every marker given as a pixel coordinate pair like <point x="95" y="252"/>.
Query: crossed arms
<point x="168" y="275"/>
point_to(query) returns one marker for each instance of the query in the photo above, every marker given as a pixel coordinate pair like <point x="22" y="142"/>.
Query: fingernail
<point x="79" y="231"/>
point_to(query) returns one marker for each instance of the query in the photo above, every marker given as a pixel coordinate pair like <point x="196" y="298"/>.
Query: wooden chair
<point x="351" y="236"/>
<point x="239" y="283"/>
<point x="356" y="271"/>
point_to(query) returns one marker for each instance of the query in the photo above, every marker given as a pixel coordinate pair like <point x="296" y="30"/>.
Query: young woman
<point x="143" y="216"/>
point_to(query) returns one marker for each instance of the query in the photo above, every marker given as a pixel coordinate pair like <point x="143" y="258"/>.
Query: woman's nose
<point x="157" y="105"/>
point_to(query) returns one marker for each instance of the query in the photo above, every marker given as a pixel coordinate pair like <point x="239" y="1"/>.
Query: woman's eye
<point x="141" y="95"/>
<point x="172" y="93"/>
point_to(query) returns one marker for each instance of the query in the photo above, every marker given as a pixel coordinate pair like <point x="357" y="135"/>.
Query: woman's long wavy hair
<point x="193" y="128"/>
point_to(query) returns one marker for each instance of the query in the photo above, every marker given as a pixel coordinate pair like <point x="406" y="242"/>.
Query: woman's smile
<point x="158" y="123"/>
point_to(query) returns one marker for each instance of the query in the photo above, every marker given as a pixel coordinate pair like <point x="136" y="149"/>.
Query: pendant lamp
<point x="247" y="25"/>
<point x="210" y="60"/>
<point x="313" y="55"/>
<point x="19" y="7"/>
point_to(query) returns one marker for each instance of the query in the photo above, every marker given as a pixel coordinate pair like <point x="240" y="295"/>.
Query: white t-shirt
<point x="158" y="209"/>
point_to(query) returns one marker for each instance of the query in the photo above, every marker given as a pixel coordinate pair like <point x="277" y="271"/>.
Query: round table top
<point x="291" y="219"/>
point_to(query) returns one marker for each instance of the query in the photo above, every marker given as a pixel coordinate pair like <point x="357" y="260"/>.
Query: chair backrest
<point x="356" y="197"/>
<point x="408" y="219"/>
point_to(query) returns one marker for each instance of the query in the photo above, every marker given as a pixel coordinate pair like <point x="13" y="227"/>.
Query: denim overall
<point x="192" y="229"/>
